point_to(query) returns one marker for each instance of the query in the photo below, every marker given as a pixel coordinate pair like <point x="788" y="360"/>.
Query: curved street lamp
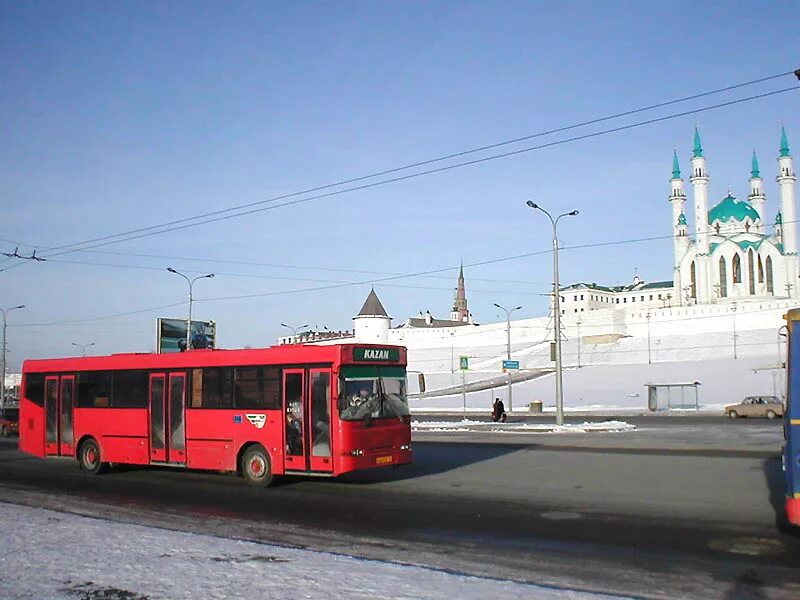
<point x="191" y="285"/>
<point x="83" y="347"/>
<point x="294" y="330"/>
<point x="508" y="346"/>
<point x="557" y="308"/>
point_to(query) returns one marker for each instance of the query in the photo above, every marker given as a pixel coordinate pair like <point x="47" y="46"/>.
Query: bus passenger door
<point x="319" y="419"/>
<point x="295" y="433"/>
<point x="176" y="450"/>
<point x="65" y="404"/>
<point x="158" y="424"/>
<point x="51" y="445"/>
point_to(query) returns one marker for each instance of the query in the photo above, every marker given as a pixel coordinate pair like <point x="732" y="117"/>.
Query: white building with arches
<point x="733" y="254"/>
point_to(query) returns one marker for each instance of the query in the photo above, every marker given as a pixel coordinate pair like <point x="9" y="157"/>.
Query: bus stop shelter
<point x="673" y="396"/>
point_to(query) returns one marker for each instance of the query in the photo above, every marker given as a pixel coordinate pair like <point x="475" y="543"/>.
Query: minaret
<point x="699" y="181"/>
<point x="757" y="197"/>
<point x="677" y="198"/>
<point x="786" y="179"/>
<point x="460" y="312"/>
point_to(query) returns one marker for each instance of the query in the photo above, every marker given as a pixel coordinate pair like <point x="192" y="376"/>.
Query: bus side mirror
<point x="421" y="378"/>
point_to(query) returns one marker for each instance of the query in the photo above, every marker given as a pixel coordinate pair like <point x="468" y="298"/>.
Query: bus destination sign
<point x="376" y="354"/>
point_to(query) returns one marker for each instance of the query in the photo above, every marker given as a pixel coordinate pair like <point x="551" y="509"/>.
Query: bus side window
<point x="216" y="388"/>
<point x="34" y="388"/>
<point x="94" y="389"/>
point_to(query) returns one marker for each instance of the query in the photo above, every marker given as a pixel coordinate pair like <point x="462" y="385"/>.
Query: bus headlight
<point x="405" y="447"/>
<point x="355" y="453"/>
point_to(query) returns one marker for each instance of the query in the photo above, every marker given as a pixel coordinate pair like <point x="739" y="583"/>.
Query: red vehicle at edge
<point x="296" y="409"/>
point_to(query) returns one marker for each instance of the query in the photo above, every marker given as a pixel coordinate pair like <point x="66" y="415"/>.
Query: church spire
<point x="676" y="169"/>
<point x="784" y="143"/>
<point x="460" y="311"/>
<point x="698" y="148"/>
<point x="755" y="173"/>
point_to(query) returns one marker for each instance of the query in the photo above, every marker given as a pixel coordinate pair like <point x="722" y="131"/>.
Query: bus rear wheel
<point x="256" y="466"/>
<point x="89" y="458"/>
<point x="4" y="431"/>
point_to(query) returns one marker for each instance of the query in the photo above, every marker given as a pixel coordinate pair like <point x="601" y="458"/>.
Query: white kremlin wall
<point x="686" y="344"/>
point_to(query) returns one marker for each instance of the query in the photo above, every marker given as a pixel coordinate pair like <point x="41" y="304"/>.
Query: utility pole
<point x="733" y="309"/>
<point x="508" y="348"/>
<point x="578" y="323"/>
<point x="4" y="312"/>
<point x="649" y="361"/>
<point x="557" y="293"/>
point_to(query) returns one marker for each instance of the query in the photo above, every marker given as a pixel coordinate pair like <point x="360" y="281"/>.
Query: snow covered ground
<point x="613" y="387"/>
<point x="55" y="555"/>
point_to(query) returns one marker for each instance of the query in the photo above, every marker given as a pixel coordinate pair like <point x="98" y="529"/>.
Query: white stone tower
<point x="677" y="198"/>
<point x="757" y="196"/>
<point x="699" y="181"/>
<point x="786" y="179"/>
<point x="371" y="325"/>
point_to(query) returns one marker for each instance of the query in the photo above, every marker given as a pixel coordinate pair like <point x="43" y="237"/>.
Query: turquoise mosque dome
<point x="731" y="209"/>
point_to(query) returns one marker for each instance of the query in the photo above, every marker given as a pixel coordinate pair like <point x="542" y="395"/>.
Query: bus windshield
<point x="372" y="393"/>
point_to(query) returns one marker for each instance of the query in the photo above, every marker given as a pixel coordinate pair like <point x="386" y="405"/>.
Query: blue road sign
<point x="511" y="365"/>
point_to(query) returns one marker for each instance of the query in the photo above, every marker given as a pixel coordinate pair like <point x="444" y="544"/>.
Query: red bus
<point x="296" y="409"/>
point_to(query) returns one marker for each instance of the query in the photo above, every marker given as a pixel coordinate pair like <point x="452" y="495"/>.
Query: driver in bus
<point x="362" y="396"/>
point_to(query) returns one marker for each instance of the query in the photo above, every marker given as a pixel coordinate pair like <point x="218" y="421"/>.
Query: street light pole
<point x="733" y="308"/>
<point x="578" y="323"/>
<point x="557" y="304"/>
<point x="83" y="347"/>
<point x="294" y="330"/>
<point x="191" y="285"/>
<point x="4" y="311"/>
<point x="508" y="348"/>
<point x="649" y="361"/>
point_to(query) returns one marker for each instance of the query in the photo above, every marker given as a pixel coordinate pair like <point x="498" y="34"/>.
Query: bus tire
<point x="771" y="414"/>
<point x="5" y="432"/>
<point x="733" y="414"/>
<point x="89" y="458"/>
<point x="256" y="466"/>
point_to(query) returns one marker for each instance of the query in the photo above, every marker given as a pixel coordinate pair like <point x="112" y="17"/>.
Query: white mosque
<point x="732" y="255"/>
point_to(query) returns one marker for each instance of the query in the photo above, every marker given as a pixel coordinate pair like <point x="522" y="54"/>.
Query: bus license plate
<point x="382" y="460"/>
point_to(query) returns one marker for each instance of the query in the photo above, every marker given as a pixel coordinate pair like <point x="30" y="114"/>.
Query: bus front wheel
<point x="256" y="467"/>
<point x="89" y="458"/>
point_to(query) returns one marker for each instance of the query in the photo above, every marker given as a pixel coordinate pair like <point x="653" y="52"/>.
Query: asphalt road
<point x="674" y="510"/>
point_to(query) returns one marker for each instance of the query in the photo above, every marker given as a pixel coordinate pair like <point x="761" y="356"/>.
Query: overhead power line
<point x="373" y="281"/>
<point x="241" y="210"/>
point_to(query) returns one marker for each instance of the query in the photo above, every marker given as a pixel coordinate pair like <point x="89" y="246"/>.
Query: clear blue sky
<point x="121" y="115"/>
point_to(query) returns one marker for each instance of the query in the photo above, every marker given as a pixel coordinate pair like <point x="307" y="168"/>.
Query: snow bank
<point x="470" y="425"/>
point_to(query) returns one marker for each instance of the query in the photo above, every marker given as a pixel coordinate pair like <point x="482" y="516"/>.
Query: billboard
<point x="171" y="335"/>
